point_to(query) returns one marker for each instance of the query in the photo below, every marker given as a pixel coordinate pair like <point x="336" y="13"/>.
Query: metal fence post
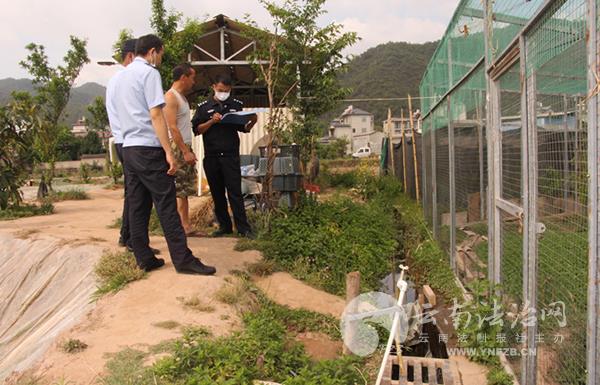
<point x="424" y="169"/>
<point x="493" y="139"/>
<point x="593" y="326"/>
<point x="434" y="205"/>
<point x="452" y="186"/>
<point x="565" y="153"/>
<point x="480" y="144"/>
<point x="529" y="167"/>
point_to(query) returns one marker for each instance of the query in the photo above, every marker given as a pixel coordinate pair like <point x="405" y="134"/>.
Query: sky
<point x="50" y="22"/>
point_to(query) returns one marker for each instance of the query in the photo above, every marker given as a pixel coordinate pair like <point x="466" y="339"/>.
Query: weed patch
<point x="73" y="346"/>
<point x="115" y="270"/>
<point x="197" y="304"/>
<point x="74" y="194"/>
<point x="26" y="210"/>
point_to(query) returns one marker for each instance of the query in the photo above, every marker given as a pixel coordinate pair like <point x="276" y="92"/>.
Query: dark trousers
<point x="223" y="175"/>
<point x="125" y="215"/>
<point x="148" y="182"/>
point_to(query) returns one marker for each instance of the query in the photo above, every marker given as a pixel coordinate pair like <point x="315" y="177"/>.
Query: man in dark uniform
<point x="222" y="155"/>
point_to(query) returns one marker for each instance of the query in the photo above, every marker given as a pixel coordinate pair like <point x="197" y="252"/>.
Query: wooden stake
<point x="390" y="144"/>
<point x="403" y="148"/>
<point x="352" y="291"/>
<point x="414" y="145"/>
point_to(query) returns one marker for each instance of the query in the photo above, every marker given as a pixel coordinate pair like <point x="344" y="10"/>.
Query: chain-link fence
<point x="509" y="119"/>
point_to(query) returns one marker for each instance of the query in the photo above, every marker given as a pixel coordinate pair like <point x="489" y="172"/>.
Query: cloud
<point x="408" y="29"/>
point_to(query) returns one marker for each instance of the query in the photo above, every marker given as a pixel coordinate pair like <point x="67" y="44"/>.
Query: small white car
<point x="362" y="152"/>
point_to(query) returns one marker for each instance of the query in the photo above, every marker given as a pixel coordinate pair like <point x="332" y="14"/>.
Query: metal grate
<point x="420" y="371"/>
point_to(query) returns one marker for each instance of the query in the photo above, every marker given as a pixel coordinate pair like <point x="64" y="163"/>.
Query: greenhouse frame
<point x="510" y="118"/>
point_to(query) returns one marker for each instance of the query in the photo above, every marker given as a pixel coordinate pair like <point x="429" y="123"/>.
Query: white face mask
<point x="222" y="96"/>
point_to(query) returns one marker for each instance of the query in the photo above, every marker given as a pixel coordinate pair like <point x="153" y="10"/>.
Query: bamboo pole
<point x="403" y="148"/>
<point x="390" y="144"/>
<point x="414" y="145"/>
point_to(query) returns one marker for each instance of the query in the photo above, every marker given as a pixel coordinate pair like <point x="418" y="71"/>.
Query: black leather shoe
<point x="153" y="264"/>
<point x="196" y="267"/>
<point x="220" y="233"/>
<point x="154" y="251"/>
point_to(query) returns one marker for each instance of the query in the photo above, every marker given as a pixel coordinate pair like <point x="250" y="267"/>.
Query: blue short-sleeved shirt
<point x="111" y="108"/>
<point x="138" y="90"/>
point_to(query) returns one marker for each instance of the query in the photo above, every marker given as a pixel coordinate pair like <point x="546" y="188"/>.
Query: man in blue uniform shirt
<point x="149" y="161"/>
<point x="222" y="155"/>
<point x="127" y="56"/>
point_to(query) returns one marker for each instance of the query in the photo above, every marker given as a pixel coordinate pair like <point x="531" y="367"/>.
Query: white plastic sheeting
<point x="45" y="287"/>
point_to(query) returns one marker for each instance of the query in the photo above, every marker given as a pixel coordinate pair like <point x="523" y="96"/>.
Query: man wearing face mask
<point x="222" y="155"/>
<point x="149" y="161"/>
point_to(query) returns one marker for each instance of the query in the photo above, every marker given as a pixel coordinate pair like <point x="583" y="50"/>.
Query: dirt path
<point x="287" y="290"/>
<point x="126" y="319"/>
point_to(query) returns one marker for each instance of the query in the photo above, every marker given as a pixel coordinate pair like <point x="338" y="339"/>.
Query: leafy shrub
<point x="116" y="171"/>
<point x="334" y="150"/>
<point x="264" y="350"/>
<point x="17" y="132"/>
<point x="84" y="172"/>
<point x="322" y="242"/>
<point x="497" y="376"/>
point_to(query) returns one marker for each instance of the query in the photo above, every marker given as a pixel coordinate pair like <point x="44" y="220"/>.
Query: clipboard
<point x="240" y="118"/>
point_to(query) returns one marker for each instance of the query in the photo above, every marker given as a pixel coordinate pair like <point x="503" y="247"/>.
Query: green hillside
<point x="81" y="96"/>
<point x="387" y="71"/>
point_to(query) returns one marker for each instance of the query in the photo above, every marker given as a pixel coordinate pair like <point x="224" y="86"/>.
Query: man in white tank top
<point x="177" y="114"/>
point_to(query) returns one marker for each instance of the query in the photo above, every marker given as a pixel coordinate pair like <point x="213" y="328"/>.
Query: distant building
<point x="397" y="123"/>
<point x="80" y="129"/>
<point x="357" y="126"/>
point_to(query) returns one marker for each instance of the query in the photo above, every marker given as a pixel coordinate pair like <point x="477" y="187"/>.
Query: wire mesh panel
<point x="509" y="18"/>
<point x="557" y="58"/>
<point x="467" y="116"/>
<point x="511" y="232"/>
<point x="510" y="133"/>
<point x="443" y="186"/>
<point x="427" y="176"/>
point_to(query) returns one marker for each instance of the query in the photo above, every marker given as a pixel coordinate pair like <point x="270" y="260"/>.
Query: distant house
<point x="80" y="129"/>
<point x="396" y="128"/>
<point x="358" y="127"/>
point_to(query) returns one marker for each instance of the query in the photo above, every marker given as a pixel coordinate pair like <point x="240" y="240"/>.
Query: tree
<point x="334" y="150"/>
<point x="53" y="88"/>
<point x="299" y="64"/>
<point x="317" y="56"/>
<point x="69" y="146"/>
<point x="91" y="143"/>
<point x="18" y="126"/>
<point x="276" y="72"/>
<point x="124" y="34"/>
<point x="177" y="44"/>
<point x="99" y="123"/>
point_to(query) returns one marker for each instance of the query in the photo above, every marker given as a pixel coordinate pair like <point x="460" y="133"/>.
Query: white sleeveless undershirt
<point x="184" y="120"/>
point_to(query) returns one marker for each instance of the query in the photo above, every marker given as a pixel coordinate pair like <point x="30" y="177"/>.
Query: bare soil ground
<point x="57" y="274"/>
<point x="136" y="316"/>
